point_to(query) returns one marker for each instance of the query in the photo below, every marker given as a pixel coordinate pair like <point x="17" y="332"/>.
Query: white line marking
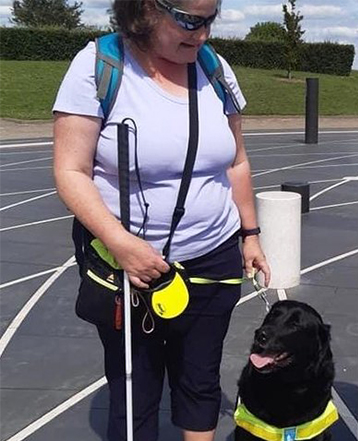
<point x="26" y="168"/>
<point x="27" y="144"/>
<point x="301" y="164"/>
<point x="310" y="182"/>
<point x="246" y="298"/>
<point x="300" y="145"/>
<point x="328" y="261"/>
<point x="14" y="193"/>
<point x="54" y="219"/>
<point x="345" y="413"/>
<point x="32" y="276"/>
<point x="24" y="152"/>
<point x="20" y="317"/>
<point x="345" y="180"/>
<point x="332" y="206"/>
<point x="281" y="294"/>
<point x="308" y="167"/>
<point x="326" y="166"/>
<point x="331" y="132"/>
<point x="27" y="200"/>
<point x="281" y="155"/>
<point x="36" y="425"/>
<point x="26" y="162"/>
<point x="284" y="146"/>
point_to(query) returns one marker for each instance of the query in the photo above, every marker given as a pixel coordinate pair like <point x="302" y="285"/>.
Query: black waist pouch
<point x="100" y="297"/>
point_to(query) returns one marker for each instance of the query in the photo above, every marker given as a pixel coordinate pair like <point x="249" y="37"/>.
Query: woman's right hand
<point x="139" y="259"/>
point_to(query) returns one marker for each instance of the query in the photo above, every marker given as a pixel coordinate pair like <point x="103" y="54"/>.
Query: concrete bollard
<point x="279" y="217"/>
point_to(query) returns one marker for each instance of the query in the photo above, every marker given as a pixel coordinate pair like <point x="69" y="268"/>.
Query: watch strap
<point x="250" y="232"/>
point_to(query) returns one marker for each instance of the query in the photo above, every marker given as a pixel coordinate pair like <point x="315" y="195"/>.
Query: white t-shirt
<point x="162" y="120"/>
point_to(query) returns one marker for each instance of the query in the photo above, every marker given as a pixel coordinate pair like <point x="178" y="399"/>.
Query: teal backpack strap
<point x="109" y="69"/>
<point x="212" y="67"/>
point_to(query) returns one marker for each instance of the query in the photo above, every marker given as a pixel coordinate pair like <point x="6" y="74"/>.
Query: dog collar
<point x="259" y="428"/>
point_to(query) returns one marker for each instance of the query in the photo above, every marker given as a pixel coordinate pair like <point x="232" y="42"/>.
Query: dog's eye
<point x="261" y="337"/>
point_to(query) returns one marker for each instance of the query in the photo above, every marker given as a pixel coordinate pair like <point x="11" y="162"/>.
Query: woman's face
<point x="174" y="43"/>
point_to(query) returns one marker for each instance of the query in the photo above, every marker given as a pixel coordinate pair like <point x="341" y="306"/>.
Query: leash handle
<point x="261" y="292"/>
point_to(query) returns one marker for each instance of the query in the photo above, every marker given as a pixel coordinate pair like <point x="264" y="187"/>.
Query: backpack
<point x="109" y="71"/>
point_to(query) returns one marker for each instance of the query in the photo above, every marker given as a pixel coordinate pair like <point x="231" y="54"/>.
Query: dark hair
<point x="135" y="20"/>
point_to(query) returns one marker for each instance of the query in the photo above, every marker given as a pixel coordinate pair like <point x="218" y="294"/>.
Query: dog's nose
<point x="262" y="337"/>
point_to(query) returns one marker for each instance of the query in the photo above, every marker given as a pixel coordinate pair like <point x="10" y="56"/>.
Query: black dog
<point x="288" y="378"/>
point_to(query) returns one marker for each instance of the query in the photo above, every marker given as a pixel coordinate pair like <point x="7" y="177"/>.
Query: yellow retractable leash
<point x="170" y="293"/>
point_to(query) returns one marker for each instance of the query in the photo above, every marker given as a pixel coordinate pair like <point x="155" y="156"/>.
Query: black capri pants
<point x="188" y="347"/>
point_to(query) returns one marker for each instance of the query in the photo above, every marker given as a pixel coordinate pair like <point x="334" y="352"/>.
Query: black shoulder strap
<point x="190" y="156"/>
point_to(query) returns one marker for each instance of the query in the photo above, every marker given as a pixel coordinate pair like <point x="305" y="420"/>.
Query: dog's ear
<point x="324" y="333"/>
<point x="324" y="362"/>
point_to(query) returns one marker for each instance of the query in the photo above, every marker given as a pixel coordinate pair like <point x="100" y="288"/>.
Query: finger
<point x="249" y="268"/>
<point x="155" y="274"/>
<point x="163" y="266"/>
<point x="136" y="281"/>
<point x="267" y="272"/>
<point x="145" y="278"/>
<point x="263" y="266"/>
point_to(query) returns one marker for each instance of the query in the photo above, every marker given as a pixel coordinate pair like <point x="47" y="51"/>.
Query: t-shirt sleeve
<point x="78" y="92"/>
<point x="230" y="78"/>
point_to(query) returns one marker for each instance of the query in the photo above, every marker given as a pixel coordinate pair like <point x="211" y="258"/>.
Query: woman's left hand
<point x="254" y="258"/>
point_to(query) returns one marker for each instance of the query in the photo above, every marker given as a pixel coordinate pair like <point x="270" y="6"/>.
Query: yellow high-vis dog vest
<point x="259" y="428"/>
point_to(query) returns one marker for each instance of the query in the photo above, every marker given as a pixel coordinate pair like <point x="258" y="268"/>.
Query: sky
<point x="324" y="20"/>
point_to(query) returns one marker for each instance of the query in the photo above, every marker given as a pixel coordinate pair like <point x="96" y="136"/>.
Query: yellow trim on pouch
<point x="259" y="428"/>
<point x="102" y="282"/>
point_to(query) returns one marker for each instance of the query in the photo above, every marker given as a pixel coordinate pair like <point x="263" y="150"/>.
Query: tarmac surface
<point x="52" y="384"/>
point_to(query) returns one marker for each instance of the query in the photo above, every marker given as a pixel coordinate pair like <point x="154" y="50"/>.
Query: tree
<point x="293" y="35"/>
<point x="37" y="13"/>
<point x="267" y="31"/>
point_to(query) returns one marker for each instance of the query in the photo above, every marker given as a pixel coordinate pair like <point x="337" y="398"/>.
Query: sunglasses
<point x="186" y="21"/>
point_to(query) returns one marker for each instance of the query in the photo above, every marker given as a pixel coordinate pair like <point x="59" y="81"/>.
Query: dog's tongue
<point x="260" y="361"/>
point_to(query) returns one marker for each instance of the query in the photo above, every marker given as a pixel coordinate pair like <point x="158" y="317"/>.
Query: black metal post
<point x="303" y="188"/>
<point x="311" y="132"/>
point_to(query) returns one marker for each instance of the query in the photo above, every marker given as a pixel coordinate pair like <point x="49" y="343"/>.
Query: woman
<point x="160" y="39"/>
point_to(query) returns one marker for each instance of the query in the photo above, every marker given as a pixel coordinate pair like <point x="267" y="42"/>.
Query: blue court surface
<point x="52" y="385"/>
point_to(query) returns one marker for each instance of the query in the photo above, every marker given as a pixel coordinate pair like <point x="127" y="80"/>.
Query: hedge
<point x="329" y="58"/>
<point x="18" y="43"/>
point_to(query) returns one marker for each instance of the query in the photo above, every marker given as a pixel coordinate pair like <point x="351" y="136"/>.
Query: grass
<point x="269" y="92"/>
<point x="28" y="90"/>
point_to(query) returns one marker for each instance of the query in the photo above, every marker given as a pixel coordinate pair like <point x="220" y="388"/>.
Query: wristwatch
<point x="251" y="232"/>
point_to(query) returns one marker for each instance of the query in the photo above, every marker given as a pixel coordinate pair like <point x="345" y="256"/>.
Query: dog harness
<point x="305" y="431"/>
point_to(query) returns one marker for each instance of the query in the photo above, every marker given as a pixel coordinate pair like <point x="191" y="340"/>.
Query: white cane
<point x="123" y="170"/>
<point x="128" y="356"/>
